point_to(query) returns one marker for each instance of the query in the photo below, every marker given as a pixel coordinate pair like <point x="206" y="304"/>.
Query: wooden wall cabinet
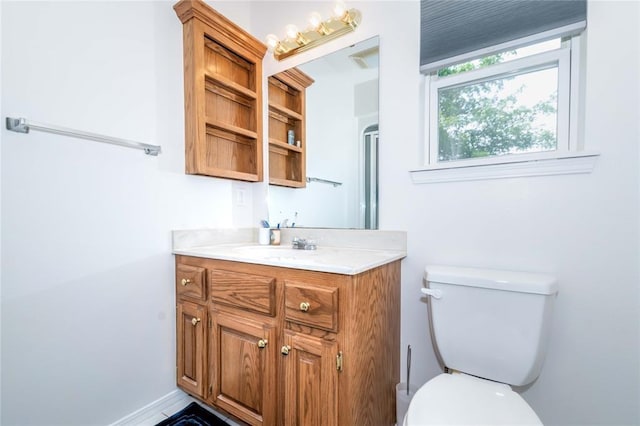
<point x="283" y="346"/>
<point x="223" y="95"/>
<point x="287" y="111"/>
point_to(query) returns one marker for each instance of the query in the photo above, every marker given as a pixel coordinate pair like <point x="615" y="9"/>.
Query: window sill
<point x="574" y="163"/>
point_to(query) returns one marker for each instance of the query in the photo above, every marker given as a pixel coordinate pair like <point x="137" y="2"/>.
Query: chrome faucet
<point x="303" y="244"/>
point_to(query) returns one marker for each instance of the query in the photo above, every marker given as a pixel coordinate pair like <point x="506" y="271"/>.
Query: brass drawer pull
<point x="262" y="343"/>
<point x="304" y="306"/>
<point x="285" y="350"/>
<point x="195" y="321"/>
<point x="185" y="281"/>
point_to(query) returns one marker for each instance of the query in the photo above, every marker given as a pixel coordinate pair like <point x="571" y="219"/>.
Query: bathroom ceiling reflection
<point x="341" y="145"/>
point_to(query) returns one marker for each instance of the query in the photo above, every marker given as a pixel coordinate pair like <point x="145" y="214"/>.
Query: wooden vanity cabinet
<point x="223" y="94"/>
<point x="287" y="111"/>
<point x="293" y="347"/>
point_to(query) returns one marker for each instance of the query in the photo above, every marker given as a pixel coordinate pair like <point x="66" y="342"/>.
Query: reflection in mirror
<point x="341" y="145"/>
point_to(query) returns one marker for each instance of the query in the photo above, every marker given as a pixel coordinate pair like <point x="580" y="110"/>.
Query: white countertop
<point x="335" y="259"/>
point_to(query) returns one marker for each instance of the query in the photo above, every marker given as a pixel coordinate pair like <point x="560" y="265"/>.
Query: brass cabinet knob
<point x="304" y="306"/>
<point x="285" y="350"/>
<point x="185" y="281"/>
<point x="262" y="343"/>
<point x="195" y="321"/>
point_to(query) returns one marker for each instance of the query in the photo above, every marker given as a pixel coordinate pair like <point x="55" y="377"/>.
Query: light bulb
<point x="272" y="41"/>
<point x="315" y="20"/>
<point x="291" y="31"/>
<point x="339" y="9"/>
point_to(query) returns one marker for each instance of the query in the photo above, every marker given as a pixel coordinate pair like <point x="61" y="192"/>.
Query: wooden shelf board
<point x="232" y="174"/>
<point x="287" y="182"/>
<point x="229" y="84"/>
<point x="284" y="145"/>
<point x="286" y="111"/>
<point x="231" y="128"/>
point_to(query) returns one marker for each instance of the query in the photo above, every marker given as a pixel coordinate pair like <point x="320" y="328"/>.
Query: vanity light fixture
<point x="342" y="22"/>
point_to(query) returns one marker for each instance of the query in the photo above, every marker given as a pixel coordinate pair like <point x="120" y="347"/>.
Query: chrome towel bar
<point x="21" y="125"/>
<point x="330" y="182"/>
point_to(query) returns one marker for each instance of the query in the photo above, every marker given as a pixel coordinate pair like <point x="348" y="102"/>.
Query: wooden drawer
<point x="190" y="282"/>
<point x="311" y="305"/>
<point x="256" y="293"/>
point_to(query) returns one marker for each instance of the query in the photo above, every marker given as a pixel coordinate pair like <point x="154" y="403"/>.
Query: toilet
<point x="490" y="329"/>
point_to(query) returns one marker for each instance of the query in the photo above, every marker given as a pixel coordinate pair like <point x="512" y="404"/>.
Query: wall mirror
<point x="340" y="144"/>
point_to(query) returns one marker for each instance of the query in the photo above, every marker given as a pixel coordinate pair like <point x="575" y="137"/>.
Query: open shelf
<point x="285" y="167"/>
<point x="287" y="161"/>
<point x="223" y="95"/>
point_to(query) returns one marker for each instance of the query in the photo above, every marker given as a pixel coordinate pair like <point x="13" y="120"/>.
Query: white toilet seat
<point x="460" y="399"/>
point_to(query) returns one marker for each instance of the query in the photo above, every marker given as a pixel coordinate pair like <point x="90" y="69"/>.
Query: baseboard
<point x="149" y="411"/>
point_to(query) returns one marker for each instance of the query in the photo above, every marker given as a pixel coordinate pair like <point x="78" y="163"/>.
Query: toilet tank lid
<point x="523" y="282"/>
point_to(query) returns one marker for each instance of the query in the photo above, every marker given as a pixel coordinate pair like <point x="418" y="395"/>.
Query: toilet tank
<point x="489" y="323"/>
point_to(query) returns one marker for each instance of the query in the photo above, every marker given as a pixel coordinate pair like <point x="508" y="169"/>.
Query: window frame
<point x="567" y="57"/>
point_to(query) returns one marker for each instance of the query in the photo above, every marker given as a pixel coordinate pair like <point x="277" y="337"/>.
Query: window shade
<point x="454" y="31"/>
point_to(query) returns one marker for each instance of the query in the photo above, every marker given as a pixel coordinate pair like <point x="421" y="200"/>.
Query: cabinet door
<point x="191" y="320"/>
<point x="311" y="381"/>
<point x="243" y="368"/>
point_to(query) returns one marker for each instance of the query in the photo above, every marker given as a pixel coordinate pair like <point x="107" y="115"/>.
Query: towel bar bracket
<point x="17" y="125"/>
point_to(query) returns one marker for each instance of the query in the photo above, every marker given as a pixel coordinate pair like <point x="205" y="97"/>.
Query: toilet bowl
<point x="460" y="399"/>
<point x="491" y="328"/>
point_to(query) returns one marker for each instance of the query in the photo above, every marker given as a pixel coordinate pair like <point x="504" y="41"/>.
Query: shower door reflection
<point x="370" y="199"/>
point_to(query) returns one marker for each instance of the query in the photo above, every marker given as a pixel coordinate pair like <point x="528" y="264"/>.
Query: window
<point x="501" y="89"/>
<point x="505" y="104"/>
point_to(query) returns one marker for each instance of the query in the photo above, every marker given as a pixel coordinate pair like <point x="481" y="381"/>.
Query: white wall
<point x="87" y="275"/>
<point x="0" y="222"/>
<point x="87" y="297"/>
<point x="582" y="228"/>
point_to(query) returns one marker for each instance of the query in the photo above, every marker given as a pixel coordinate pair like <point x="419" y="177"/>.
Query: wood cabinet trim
<point x="222" y="27"/>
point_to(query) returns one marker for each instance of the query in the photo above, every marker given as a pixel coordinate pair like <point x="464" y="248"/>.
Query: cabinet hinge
<point x="210" y="389"/>
<point x="210" y="323"/>
<point x="339" y="361"/>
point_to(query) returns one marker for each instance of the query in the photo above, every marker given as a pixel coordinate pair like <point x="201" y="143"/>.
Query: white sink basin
<point x="285" y="253"/>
